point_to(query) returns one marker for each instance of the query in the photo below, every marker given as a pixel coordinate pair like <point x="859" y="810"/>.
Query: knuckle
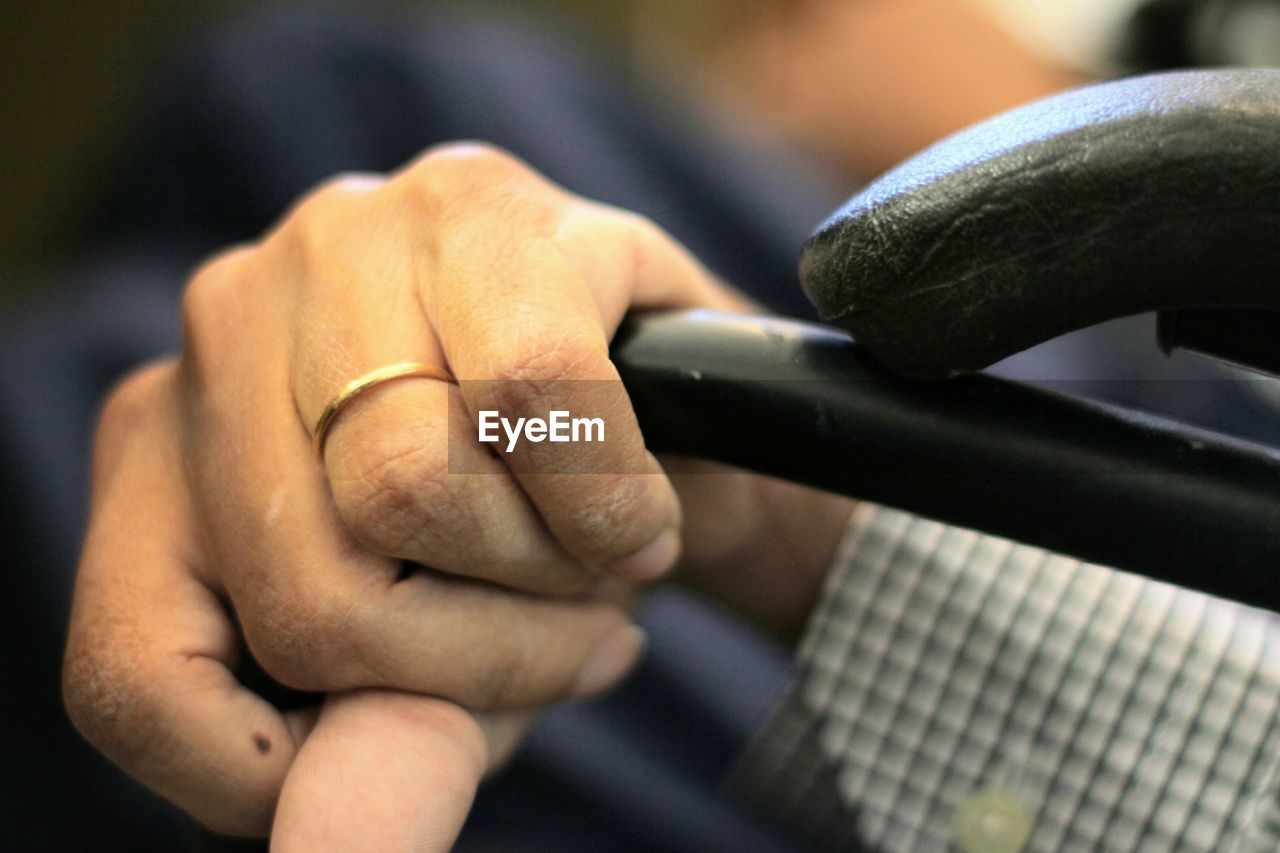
<point x="112" y="694"/>
<point x="105" y="690"/>
<point x="349" y="186"/>
<point x="330" y="226"/>
<point x="130" y="400"/>
<point x="308" y="234"/>
<point x="469" y="163"/>
<point x="619" y="505"/>
<point x="126" y="408"/>
<point x="504" y="680"/>
<point x="336" y="193"/>
<point x="642" y="240"/>
<point x="213" y="302"/>
<point x="303" y="637"/>
<point x="638" y="230"/>
<point x="394" y="491"/>
<point x="535" y="370"/>
<point x="458" y="176"/>
<point x="316" y="210"/>
<point x="214" y="283"/>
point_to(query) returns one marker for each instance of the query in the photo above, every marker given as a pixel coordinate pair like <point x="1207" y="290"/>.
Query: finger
<point x="392" y="771"/>
<point x="318" y="610"/>
<point x="410" y="481"/>
<point x="321" y="613"/>
<point x="401" y="486"/>
<point x="147" y="675"/>
<point x="382" y="771"/>
<point x="610" y="247"/>
<point x="524" y="333"/>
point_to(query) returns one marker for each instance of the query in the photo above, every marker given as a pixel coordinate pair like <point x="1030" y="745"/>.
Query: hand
<point x="208" y="496"/>
<point x="215" y="525"/>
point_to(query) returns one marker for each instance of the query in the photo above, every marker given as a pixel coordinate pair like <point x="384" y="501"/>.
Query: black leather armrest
<point x="1142" y="194"/>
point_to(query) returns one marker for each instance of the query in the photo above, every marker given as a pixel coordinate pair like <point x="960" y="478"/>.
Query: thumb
<point x="382" y="771"/>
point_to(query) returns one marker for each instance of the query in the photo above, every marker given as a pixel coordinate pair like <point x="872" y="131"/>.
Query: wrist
<point x="768" y="560"/>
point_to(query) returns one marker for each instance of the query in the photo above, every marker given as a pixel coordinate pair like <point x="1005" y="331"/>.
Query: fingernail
<point x="650" y="561"/>
<point x="612" y="659"/>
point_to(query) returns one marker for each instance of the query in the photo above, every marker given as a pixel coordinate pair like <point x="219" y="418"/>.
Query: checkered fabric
<point x="1118" y="713"/>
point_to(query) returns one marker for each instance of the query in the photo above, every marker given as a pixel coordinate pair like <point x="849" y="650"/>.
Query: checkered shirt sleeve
<point x="946" y="671"/>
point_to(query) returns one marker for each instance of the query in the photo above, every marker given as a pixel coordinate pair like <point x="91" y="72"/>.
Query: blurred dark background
<point x="73" y="75"/>
<point x="71" y="71"/>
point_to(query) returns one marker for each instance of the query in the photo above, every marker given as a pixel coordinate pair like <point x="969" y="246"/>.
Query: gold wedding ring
<point x="366" y="383"/>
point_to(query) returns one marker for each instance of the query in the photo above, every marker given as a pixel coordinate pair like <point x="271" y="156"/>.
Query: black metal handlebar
<point x="805" y="403"/>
